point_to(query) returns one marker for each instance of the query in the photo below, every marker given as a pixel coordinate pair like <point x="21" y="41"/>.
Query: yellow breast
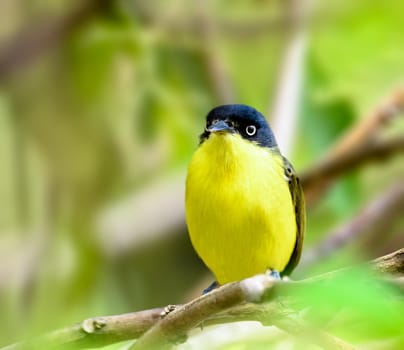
<point x="239" y="209"/>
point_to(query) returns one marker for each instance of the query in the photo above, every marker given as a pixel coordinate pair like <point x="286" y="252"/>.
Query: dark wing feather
<point x="296" y="193"/>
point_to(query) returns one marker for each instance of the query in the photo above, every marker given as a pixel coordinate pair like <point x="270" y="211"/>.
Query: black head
<point x="241" y="119"/>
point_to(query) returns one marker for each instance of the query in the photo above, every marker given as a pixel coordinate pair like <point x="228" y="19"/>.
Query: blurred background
<point x="101" y="105"/>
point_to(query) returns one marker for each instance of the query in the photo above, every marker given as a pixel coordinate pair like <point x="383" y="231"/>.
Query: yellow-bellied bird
<point x="244" y="204"/>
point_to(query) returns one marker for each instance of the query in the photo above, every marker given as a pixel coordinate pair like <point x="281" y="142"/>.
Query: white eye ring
<point x="251" y="130"/>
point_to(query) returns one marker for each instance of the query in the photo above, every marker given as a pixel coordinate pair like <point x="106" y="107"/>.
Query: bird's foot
<point x="274" y="274"/>
<point x="213" y="286"/>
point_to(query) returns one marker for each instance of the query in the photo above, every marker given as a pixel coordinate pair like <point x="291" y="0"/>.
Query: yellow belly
<point x="239" y="210"/>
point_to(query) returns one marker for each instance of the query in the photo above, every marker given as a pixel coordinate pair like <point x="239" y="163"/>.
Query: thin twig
<point x="369" y="126"/>
<point x="334" y="167"/>
<point x="96" y="331"/>
<point x="212" y="308"/>
<point x="390" y="263"/>
<point x="352" y="147"/>
<point x="174" y="327"/>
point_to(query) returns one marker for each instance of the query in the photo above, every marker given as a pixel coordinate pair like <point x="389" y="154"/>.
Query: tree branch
<point x="369" y="126"/>
<point x="334" y="167"/>
<point x="390" y="263"/>
<point x="355" y="147"/>
<point x="229" y="303"/>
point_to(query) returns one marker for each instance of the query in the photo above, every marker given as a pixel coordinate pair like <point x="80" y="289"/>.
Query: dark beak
<point x="219" y="125"/>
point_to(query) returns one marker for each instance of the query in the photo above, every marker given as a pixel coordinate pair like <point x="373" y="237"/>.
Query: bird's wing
<point x="296" y="193"/>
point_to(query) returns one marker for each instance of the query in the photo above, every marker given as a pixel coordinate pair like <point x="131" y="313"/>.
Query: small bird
<point x="244" y="204"/>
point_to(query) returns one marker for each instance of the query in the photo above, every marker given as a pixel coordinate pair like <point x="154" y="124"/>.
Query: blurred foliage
<point x="117" y="105"/>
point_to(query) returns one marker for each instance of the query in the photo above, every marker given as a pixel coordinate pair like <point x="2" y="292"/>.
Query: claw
<point x="214" y="285"/>
<point x="274" y="274"/>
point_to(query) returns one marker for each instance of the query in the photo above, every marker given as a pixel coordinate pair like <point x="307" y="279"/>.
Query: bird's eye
<point x="251" y="130"/>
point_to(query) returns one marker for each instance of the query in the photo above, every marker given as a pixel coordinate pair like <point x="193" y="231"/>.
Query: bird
<point x="244" y="204"/>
